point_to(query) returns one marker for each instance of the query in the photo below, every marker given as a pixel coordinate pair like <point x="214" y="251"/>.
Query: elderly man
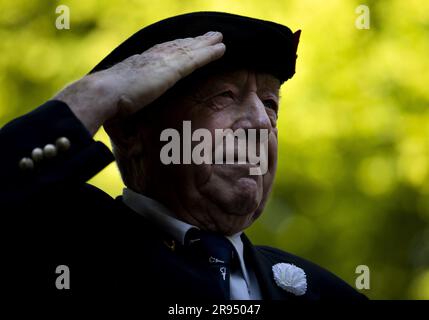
<point x="177" y="230"/>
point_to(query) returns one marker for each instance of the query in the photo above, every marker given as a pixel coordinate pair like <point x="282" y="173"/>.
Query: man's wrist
<point x="90" y="100"/>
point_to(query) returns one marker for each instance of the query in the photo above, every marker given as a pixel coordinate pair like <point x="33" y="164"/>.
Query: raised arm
<point x="52" y="145"/>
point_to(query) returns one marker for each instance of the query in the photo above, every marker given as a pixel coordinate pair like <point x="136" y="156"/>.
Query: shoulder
<point x="320" y="281"/>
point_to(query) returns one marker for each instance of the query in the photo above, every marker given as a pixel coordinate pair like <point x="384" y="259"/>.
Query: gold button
<point x="171" y="244"/>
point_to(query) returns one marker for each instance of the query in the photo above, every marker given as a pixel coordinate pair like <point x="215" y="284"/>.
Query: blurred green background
<point x="352" y="186"/>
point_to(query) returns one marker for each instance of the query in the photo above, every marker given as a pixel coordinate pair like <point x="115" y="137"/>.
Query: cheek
<point x="201" y="174"/>
<point x="272" y="150"/>
<point x="272" y="161"/>
<point x="202" y="116"/>
<point x="219" y="120"/>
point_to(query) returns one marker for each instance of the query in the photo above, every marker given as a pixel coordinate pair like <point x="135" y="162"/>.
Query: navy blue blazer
<point x="51" y="217"/>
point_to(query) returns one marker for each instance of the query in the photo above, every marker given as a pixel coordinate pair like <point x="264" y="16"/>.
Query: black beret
<point x="250" y="43"/>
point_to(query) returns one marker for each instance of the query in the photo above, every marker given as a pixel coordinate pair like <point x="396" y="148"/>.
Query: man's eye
<point x="226" y="94"/>
<point x="221" y="100"/>
<point x="271" y="104"/>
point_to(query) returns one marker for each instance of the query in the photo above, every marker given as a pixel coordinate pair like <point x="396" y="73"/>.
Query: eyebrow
<point x="266" y="84"/>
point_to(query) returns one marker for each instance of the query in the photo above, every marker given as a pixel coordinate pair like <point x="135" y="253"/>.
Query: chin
<point x="237" y="197"/>
<point x="247" y="196"/>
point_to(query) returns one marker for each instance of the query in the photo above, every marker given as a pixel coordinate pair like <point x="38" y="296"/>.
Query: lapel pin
<point x="290" y="278"/>
<point x="171" y="244"/>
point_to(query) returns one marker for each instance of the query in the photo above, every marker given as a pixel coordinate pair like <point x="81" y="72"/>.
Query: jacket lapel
<point x="262" y="265"/>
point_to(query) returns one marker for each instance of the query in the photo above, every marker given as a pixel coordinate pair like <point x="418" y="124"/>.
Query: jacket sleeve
<point x="73" y="158"/>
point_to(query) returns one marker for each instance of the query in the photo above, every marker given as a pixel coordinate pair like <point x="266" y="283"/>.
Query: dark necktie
<point x="216" y="252"/>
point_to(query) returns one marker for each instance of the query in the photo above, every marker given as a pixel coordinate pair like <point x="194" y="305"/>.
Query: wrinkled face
<point x="222" y="197"/>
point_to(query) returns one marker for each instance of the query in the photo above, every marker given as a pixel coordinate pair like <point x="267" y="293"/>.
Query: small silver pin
<point x="214" y="260"/>
<point x="223" y="271"/>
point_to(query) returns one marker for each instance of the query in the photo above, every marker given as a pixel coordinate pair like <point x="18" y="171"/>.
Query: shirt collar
<point x="165" y="219"/>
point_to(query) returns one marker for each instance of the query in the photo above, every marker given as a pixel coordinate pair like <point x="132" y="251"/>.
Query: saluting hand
<point x="138" y="80"/>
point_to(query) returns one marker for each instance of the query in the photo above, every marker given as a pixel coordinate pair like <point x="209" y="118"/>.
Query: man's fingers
<point x="149" y="74"/>
<point x="208" y="39"/>
<point x="205" y="55"/>
<point x="189" y="61"/>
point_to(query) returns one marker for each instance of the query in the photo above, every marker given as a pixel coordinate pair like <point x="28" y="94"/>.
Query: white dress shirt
<point x="243" y="283"/>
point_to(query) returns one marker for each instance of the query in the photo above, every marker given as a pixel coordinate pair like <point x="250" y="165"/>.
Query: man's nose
<point x="252" y="114"/>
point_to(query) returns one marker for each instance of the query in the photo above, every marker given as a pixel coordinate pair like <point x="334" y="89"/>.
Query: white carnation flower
<point x="290" y="278"/>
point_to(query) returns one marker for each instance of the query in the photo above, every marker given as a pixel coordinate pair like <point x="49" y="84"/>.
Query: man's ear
<point x="126" y="136"/>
